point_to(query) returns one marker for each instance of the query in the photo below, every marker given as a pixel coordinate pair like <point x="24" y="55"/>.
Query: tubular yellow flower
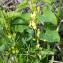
<point x="17" y="50"/>
<point x="9" y="35"/>
<point x="12" y="47"/>
<point x="38" y="45"/>
<point x="33" y="15"/>
<point x="33" y="25"/>
<point x="30" y="24"/>
<point x="45" y="40"/>
<point x="13" y="51"/>
<point x="38" y="9"/>
<point x="38" y="33"/>
<point x="14" y="34"/>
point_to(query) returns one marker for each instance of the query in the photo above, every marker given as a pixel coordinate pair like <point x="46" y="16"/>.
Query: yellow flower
<point x="34" y="39"/>
<point x="38" y="45"/>
<point x="13" y="51"/>
<point x="14" y="34"/>
<point x="33" y="25"/>
<point x="45" y="40"/>
<point x="17" y="50"/>
<point x="38" y="9"/>
<point x="30" y="24"/>
<point x="9" y="35"/>
<point x="33" y="15"/>
<point x="12" y="47"/>
<point x="38" y="33"/>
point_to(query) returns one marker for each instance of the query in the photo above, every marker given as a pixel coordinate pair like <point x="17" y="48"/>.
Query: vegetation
<point x="29" y="31"/>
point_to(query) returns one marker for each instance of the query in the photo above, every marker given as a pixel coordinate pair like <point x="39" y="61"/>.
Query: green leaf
<point x="26" y="16"/>
<point x="19" y="28"/>
<point x="46" y="52"/>
<point x="1" y="13"/>
<point x="2" y="21"/>
<point x="22" y="5"/>
<point x="33" y="1"/>
<point x="4" y="39"/>
<point x="20" y="59"/>
<point x="2" y="48"/>
<point x="16" y="15"/>
<point x="12" y="15"/>
<point x="37" y="61"/>
<point x="1" y="28"/>
<point x="51" y="36"/>
<point x="47" y="16"/>
<point x="48" y="1"/>
<point x="1" y="61"/>
<point x="19" y="22"/>
<point x="19" y="25"/>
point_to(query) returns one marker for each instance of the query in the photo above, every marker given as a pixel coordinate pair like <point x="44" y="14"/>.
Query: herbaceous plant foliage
<point x="28" y="31"/>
